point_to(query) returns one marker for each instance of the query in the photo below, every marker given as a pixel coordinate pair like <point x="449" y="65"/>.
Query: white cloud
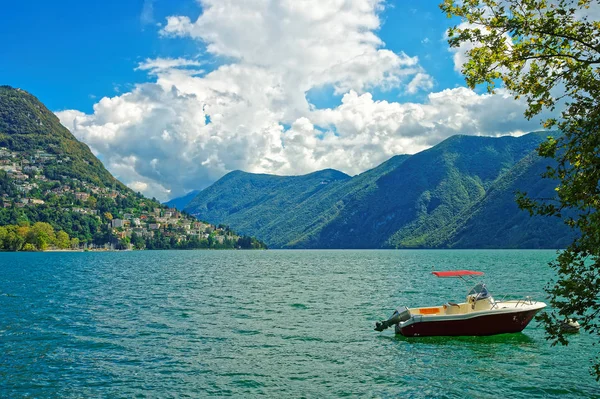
<point x="163" y="64"/>
<point x="138" y="186"/>
<point x="369" y="132"/>
<point x="311" y="42"/>
<point x="177" y="26"/>
<point x="421" y="81"/>
<point x="186" y="130"/>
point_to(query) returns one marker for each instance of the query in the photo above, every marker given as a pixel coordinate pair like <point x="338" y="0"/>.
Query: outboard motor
<point x="400" y="315"/>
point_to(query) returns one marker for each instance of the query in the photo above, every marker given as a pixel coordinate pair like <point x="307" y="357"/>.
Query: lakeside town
<point x="124" y="220"/>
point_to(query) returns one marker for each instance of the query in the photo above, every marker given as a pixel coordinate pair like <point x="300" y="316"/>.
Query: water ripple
<point x="266" y="323"/>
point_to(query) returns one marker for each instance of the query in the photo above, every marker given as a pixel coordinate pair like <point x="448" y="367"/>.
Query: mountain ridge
<point x="409" y="201"/>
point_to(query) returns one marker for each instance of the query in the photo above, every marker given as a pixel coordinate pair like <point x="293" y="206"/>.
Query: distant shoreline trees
<point x="37" y="237"/>
<point x="41" y="236"/>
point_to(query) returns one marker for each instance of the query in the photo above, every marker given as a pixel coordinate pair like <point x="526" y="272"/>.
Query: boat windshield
<point x="479" y="291"/>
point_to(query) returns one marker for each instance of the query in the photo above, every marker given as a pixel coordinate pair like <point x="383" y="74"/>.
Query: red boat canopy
<point x="457" y="273"/>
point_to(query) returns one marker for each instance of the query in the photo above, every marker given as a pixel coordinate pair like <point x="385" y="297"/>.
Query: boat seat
<point x="452" y="308"/>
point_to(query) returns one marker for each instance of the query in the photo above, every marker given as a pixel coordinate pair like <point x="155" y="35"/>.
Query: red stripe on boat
<point x="458" y="273"/>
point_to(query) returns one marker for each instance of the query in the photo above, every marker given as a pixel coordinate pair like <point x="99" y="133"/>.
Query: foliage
<point x="41" y="235"/>
<point x="548" y="52"/>
<point x="38" y="237"/>
<point x="29" y="248"/>
<point x="83" y="227"/>
<point x="91" y="202"/>
<point x="62" y="240"/>
<point x="6" y="185"/>
<point x="162" y="241"/>
<point x="138" y="241"/>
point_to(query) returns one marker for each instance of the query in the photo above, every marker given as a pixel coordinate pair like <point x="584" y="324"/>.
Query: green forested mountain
<point x="275" y="206"/>
<point x="55" y="193"/>
<point x="459" y="193"/>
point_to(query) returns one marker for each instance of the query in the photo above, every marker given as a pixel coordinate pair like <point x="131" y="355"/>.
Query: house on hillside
<point x="11" y="167"/>
<point x="20" y="176"/>
<point x="82" y="196"/>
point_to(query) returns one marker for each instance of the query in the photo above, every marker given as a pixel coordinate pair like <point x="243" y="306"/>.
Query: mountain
<point x="55" y="192"/>
<point x="459" y="193"/>
<point x="180" y="203"/>
<point x="257" y="202"/>
<point x="26" y="125"/>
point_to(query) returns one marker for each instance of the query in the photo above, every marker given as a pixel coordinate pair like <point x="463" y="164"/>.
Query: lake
<point x="268" y="323"/>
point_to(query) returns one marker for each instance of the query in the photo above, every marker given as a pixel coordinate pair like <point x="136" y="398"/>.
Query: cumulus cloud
<point x="311" y="42"/>
<point x="189" y="127"/>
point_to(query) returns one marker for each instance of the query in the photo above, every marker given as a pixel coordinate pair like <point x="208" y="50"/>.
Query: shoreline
<point x="133" y="250"/>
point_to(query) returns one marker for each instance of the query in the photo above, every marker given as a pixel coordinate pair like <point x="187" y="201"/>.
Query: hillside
<point x="496" y="220"/>
<point x="274" y="206"/>
<point x="27" y="126"/>
<point x="459" y="193"/>
<point x="55" y="192"/>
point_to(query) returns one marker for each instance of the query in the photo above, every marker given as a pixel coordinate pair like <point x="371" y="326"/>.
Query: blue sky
<point x="172" y="95"/>
<point x="72" y="53"/>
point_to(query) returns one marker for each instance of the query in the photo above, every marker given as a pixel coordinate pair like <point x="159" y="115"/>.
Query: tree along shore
<point x="42" y="236"/>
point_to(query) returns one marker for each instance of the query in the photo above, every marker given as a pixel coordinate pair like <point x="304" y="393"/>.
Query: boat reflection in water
<point x="480" y="314"/>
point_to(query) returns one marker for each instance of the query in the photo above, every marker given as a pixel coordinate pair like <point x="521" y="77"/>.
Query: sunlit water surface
<point x="267" y="323"/>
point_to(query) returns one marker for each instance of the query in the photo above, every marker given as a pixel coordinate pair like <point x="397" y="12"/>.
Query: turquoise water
<point x="267" y="323"/>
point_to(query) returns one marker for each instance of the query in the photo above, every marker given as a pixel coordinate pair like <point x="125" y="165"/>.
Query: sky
<point x="173" y="94"/>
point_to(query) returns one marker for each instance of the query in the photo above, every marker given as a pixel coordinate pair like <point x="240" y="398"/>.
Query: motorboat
<point x="569" y="326"/>
<point x="480" y="314"/>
